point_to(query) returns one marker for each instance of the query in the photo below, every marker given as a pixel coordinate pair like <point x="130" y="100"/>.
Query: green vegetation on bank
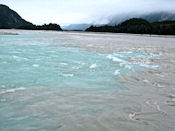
<point x="138" y="26"/>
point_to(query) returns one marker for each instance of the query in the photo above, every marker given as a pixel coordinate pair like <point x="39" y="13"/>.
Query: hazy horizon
<point x="78" y="11"/>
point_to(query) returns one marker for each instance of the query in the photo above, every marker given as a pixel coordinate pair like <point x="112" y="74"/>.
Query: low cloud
<point x="84" y="11"/>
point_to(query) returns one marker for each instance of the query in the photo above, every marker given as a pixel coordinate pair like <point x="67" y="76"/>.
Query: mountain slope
<point x="10" y="19"/>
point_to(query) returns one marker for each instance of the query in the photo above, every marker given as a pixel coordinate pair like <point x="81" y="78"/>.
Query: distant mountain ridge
<point x="10" y="19"/>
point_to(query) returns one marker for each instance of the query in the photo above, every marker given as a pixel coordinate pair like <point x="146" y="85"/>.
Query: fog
<point x="66" y="12"/>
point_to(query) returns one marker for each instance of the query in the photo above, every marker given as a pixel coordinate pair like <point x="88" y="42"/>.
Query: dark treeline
<point x="138" y="26"/>
<point x="4" y="27"/>
<point x="42" y="27"/>
<point x="50" y="26"/>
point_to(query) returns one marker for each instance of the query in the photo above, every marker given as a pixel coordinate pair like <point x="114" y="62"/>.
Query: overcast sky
<point x="83" y="11"/>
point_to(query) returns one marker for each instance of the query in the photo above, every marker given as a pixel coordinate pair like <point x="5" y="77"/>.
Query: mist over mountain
<point x="10" y="19"/>
<point x="159" y="16"/>
<point x="117" y="19"/>
<point x="96" y="12"/>
<point x="151" y="17"/>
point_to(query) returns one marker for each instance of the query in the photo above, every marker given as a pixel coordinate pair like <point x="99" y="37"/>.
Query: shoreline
<point x="7" y="31"/>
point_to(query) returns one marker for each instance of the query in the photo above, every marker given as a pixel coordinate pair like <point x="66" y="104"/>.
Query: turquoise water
<point x="32" y="60"/>
<point x="45" y="85"/>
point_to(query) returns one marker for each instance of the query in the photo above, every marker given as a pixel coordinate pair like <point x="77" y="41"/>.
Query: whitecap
<point x="155" y="66"/>
<point x="126" y="52"/>
<point x="93" y="66"/>
<point x="132" y="116"/>
<point x="35" y="65"/>
<point x="149" y="66"/>
<point x="122" y="64"/>
<point x="117" y="72"/>
<point x="12" y="90"/>
<point x="15" y="57"/>
<point x="146" y="81"/>
<point x="68" y="75"/>
<point x="115" y="59"/>
<point x="25" y="58"/>
<point x="18" y="58"/>
<point x="64" y="64"/>
<point x="125" y="65"/>
<point x="128" y="66"/>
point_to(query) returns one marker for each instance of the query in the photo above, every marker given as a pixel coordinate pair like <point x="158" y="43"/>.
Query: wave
<point x="35" y="65"/>
<point x="115" y="59"/>
<point x="93" y="66"/>
<point x="11" y="90"/>
<point x="117" y="72"/>
<point x="68" y="75"/>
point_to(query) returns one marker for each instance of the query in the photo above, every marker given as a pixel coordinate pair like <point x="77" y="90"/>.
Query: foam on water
<point x="40" y="63"/>
<point x="64" y="64"/>
<point x="149" y="65"/>
<point x="93" y="66"/>
<point x="11" y="90"/>
<point x="68" y="75"/>
<point x="117" y="72"/>
<point x="35" y="65"/>
<point x="115" y="59"/>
